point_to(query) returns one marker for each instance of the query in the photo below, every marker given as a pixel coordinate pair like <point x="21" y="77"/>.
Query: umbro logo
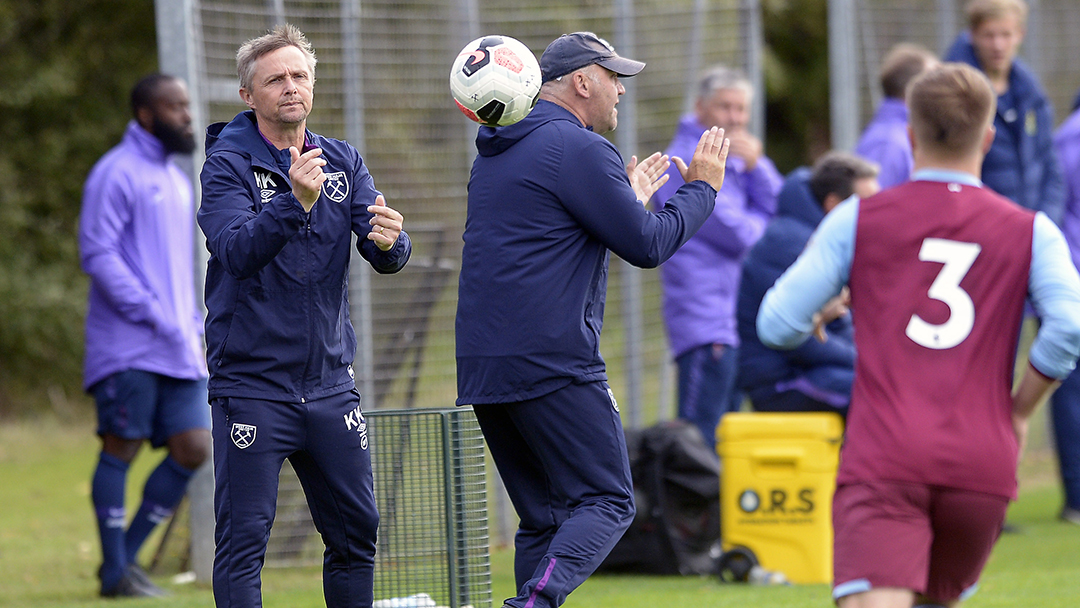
<point x="355" y="420"/>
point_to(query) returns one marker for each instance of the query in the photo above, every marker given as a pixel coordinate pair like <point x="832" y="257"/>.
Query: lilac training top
<point x="1067" y="145"/>
<point x="136" y="242"/>
<point x="885" y="142"/>
<point x="701" y="281"/>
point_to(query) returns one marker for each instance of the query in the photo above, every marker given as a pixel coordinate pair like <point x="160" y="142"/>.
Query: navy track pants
<point x="563" y="460"/>
<point x="326" y="442"/>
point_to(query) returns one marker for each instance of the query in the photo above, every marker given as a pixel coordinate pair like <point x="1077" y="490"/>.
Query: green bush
<point x="70" y="65"/>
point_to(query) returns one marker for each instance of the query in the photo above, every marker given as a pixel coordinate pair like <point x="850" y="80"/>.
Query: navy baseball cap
<point x="571" y="52"/>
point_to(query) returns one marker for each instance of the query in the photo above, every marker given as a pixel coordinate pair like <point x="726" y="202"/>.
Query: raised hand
<point x="307" y="176"/>
<point x="386" y="224"/>
<point x="709" y="158"/>
<point x="647" y="177"/>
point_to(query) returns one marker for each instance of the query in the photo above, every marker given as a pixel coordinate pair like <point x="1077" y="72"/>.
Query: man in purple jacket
<point x="144" y="363"/>
<point x="885" y="140"/>
<point x="701" y="280"/>
<point x="1065" y="404"/>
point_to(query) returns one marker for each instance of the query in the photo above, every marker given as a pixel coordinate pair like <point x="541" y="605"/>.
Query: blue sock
<point x="164" y="489"/>
<point x="107" y="495"/>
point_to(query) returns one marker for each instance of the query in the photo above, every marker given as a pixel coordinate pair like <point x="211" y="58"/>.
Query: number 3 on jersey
<point x="957" y="258"/>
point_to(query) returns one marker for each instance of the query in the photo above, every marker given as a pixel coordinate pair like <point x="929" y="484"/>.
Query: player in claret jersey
<point x="938" y="271"/>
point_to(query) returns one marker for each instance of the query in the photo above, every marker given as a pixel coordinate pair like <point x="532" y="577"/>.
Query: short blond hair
<point x="277" y="38"/>
<point x="950" y="107"/>
<point x="980" y="11"/>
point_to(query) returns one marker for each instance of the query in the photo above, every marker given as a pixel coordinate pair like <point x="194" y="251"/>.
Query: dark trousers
<point x="326" y="442"/>
<point x="563" y="460"/>
<point x="1065" y="410"/>
<point x="707" y="388"/>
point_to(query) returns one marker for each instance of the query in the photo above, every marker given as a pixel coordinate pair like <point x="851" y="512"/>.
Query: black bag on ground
<point x="677" y="492"/>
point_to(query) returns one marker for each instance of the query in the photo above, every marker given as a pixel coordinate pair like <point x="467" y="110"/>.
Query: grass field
<point x="49" y="552"/>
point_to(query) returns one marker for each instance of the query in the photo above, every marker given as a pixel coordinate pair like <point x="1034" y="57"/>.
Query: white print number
<point x="957" y="258"/>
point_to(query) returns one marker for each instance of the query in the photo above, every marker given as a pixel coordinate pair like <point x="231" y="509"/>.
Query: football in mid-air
<point x="495" y="80"/>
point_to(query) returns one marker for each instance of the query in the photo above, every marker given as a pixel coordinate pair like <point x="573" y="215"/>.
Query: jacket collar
<point x="149" y="146"/>
<point x="242" y="134"/>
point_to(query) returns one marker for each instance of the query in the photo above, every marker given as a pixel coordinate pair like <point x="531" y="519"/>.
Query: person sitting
<point x="817" y="375"/>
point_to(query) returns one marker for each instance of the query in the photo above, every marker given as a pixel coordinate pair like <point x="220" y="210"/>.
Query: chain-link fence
<point x="874" y="26"/>
<point x="382" y="85"/>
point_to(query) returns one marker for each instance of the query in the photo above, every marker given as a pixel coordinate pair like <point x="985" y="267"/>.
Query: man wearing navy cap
<point x="548" y="198"/>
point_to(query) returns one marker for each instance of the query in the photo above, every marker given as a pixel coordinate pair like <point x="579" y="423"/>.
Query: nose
<point x="619" y="87"/>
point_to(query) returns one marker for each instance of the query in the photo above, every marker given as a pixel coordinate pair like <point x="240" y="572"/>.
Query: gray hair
<point x="279" y="37"/>
<point x="722" y="78"/>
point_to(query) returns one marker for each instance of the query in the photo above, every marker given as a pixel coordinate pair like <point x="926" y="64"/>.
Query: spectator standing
<point x="1065" y="404"/>
<point x="548" y="198"/>
<point x="938" y="269"/>
<point x="1021" y="164"/>
<point x="144" y="353"/>
<point x="701" y="281"/>
<point x="280" y="205"/>
<point x="816" y="376"/>
<point x="885" y="140"/>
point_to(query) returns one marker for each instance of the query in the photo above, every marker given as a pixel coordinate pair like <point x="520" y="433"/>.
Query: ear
<point x="988" y="139"/>
<point x="832" y="199"/>
<point x="145" y="117"/>
<point x="246" y="97"/>
<point x="582" y="82"/>
<point x="911" y="136"/>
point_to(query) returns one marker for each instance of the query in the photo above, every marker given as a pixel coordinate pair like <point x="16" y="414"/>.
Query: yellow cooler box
<point x="777" y="478"/>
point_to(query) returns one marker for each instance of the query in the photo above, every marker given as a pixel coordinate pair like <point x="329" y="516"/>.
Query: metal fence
<point x="862" y="32"/>
<point x="431" y="490"/>
<point x="382" y="85"/>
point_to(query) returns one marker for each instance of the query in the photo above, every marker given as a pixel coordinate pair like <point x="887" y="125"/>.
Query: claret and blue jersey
<point x="939" y="270"/>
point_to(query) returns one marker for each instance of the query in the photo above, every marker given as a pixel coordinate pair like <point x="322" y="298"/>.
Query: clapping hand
<point x="647" y="177"/>
<point x="708" y="161"/>
<point x="386" y="224"/>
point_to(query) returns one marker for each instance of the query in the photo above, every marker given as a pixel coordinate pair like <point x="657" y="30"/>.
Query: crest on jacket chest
<point x="336" y="186"/>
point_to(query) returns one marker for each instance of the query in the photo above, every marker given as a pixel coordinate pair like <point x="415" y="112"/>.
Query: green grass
<point x="49" y="552"/>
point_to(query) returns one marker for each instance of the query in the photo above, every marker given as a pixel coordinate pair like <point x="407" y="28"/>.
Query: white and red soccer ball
<point x="495" y="80"/>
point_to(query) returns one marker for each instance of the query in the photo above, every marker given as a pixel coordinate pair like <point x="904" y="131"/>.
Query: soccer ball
<point x="495" y="80"/>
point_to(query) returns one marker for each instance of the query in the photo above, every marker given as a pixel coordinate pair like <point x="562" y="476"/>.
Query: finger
<point x="660" y="170"/>
<point x="383" y="211"/>
<point x="724" y="148"/>
<point x="721" y="137"/>
<point x="705" y="141"/>
<point x="632" y="164"/>
<point x="653" y="159"/>
<point x="312" y="153"/>
<point x="294" y="154"/>
<point x="680" y="165"/>
<point x="663" y="180"/>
